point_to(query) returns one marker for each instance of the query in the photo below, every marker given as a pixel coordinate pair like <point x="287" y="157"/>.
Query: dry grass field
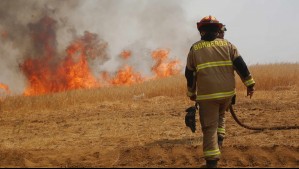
<point x="143" y="126"/>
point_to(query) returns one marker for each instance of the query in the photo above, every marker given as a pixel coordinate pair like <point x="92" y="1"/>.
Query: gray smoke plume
<point x="16" y="18"/>
<point x="141" y="26"/>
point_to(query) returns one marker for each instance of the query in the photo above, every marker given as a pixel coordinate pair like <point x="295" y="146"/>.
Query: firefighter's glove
<point x="250" y="91"/>
<point x="191" y="95"/>
<point x="190" y="118"/>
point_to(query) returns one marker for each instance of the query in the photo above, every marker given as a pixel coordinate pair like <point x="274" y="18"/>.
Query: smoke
<point x="139" y="26"/>
<point x="16" y="45"/>
<point x="135" y="25"/>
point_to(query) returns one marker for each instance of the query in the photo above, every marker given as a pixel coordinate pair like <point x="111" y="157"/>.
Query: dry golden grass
<point x="274" y="76"/>
<point x="172" y="86"/>
<point x="267" y="77"/>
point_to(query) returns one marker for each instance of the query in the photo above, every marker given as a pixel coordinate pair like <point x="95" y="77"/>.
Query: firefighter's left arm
<point x="190" y="74"/>
<point x="241" y="67"/>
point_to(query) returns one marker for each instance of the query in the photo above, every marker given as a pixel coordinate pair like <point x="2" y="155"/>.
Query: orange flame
<point x="5" y="88"/>
<point x="75" y="68"/>
<point x="48" y="72"/>
<point x="164" y="67"/>
<point x="126" y="76"/>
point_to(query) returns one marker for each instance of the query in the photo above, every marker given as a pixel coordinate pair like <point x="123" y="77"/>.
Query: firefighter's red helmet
<point x="209" y="20"/>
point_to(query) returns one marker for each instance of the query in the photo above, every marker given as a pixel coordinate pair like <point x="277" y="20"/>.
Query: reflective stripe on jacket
<point x="212" y="62"/>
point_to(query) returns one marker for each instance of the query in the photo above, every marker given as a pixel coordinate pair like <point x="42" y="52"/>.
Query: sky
<point x="264" y="31"/>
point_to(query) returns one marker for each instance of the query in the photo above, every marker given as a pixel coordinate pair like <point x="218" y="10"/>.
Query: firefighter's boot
<point x="211" y="163"/>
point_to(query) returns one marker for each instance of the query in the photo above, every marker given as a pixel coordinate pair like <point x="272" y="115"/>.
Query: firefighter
<point x="210" y="79"/>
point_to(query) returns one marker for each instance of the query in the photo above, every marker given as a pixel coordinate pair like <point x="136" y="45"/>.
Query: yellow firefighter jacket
<point x="212" y="64"/>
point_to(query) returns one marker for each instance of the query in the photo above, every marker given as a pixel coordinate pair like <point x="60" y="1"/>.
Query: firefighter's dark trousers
<point x="212" y="119"/>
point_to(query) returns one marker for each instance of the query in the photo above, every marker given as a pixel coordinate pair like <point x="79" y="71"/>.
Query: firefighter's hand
<point x="193" y="98"/>
<point x="250" y="91"/>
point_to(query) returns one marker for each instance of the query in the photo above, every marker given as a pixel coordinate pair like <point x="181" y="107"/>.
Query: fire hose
<point x="259" y="128"/>
<point x="191" y="123"/>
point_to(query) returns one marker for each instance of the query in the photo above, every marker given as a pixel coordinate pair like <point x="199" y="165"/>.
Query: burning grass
<point x="49" y="70"/>
<point x="171" y="86"/>
<point x="270" y="77"/>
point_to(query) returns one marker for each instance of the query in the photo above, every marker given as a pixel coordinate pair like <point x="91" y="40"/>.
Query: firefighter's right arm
<point x="191" y="82"/>
<point x="190" y="74"/>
